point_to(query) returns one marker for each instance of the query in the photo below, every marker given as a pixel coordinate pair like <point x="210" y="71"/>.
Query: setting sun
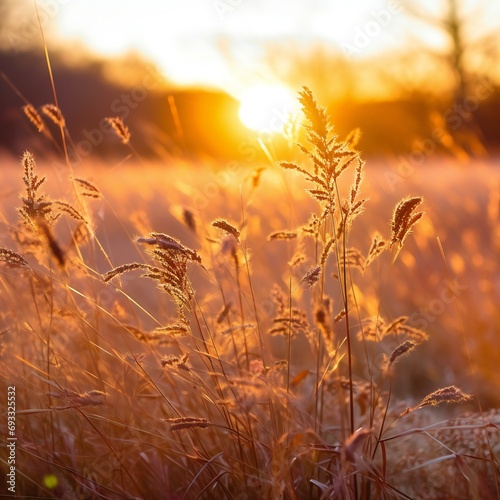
<point x="267" y="108"/>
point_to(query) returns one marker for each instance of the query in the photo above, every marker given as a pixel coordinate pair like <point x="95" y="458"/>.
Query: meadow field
<point x="325" y="327"/>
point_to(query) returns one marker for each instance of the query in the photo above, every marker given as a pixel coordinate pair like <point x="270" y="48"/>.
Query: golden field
<point x="267" y="359"/>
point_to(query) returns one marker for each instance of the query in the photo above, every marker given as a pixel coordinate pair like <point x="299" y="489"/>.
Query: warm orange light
<point x="268" y="108"/>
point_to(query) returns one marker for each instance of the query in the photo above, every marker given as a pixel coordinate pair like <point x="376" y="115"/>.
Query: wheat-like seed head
<point x="74" y="399"/>
<point x="166" y="243"/>
<point x="413" y="333"/>
<point x="282" y="235"/>
<point x="358" y="179"/>
<point x="394" y="325"/>
<point x="224" y="225"/>
<point x="353" y="258"/>
<point x="330" y="159"/>
<point x="171" y="272"/>
<point x="36" y="207"/>
<point x="154" y="336"/>
<point x="451" y="394"/>
<point x="177" y="328"/>
<point x="184" y="423"/>
<point x="297" y="259"/>
<point x="311" y="277"/>
<point x="315" y="114"/>
<point x="290" y="323"/>
<point x="404" y="218"/>
<point x="174" y="361"/>
<point x="87" y="188"/>
<point x="70" y="210"/>
<point x="34" y="117"/>
<point x="80" y="234"/>
<point x="327" y="247"/>
<point x="373" y="329"/>
<point x="12" y="258"/>
<point x="377" y="247"/>
<point x="120" y="129"/>
<point x="353" y="138"/>
<point x="405" y="347"/>
<point x="278" y="299"/>
<point x="54" y="113"/>
<point x="117" y="271"/>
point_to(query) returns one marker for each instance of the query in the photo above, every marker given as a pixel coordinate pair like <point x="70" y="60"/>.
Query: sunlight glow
<point x="218" y="43"/>
<point x="194" y="43"/>
<point x="267" y="108"/>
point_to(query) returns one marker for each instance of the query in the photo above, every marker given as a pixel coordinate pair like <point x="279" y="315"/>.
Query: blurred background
<point x="206" y="78"/>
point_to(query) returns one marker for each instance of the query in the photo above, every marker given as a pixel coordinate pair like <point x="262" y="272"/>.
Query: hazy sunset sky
<point x="222" y="43"/>
<point x="201" y="41"/>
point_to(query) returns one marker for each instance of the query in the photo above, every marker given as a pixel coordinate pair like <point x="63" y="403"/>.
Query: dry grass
<point x="275" y="357"/>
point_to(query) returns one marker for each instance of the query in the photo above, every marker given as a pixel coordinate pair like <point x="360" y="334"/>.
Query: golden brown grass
<point x="119" y="128"/>
<point x="221" y="385"/>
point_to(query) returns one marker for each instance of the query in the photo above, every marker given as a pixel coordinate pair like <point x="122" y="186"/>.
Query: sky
<point x="222" y="43"/>
<point x="213" y="42"/>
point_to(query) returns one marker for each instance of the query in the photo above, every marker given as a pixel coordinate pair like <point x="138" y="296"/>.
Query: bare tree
<point x="467" y="58"/>
<point x="459" y="25"/>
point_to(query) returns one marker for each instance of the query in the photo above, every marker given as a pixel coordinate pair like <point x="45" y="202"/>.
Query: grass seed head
<point x="174" y="361"/>
<point x="184" y="423"/>
<point x="224" y="225"/>
<point x="311" y="277"/>
<point x="451" y="394"/>
<point x="34" y="117"/>
<point x="377" y="247"/>
<point x="12" y="259"/>
<point x="315" y="114"/>
<point x="282" y="235"/>
<point x="54" y="113"/>
<point x="88" y="189"/>
<point x="404" y="218"/>
<point x="120" y="129"/>
<point x="405" y="347"/>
